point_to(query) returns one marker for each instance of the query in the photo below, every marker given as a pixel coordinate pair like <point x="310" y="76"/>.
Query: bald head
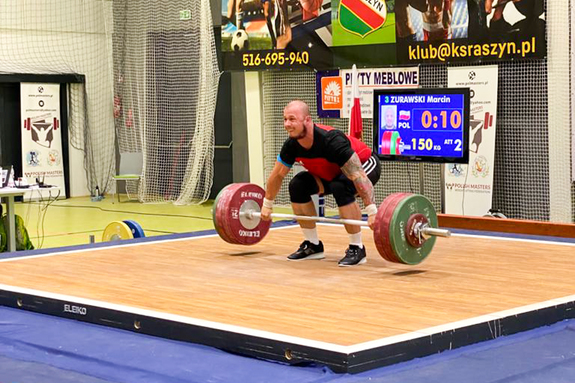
<point x="298" y="107"/>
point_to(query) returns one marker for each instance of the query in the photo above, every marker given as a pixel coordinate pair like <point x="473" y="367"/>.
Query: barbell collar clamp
<point x="426" y="231"/>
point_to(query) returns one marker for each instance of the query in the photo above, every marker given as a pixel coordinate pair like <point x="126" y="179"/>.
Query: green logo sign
<point x="361" y="17"/>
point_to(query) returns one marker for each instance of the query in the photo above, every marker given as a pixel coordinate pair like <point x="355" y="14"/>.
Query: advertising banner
<point x="333" y="88"/>
<point x="469" y="30"/>
<point x="469" y="188"/>
<point x="325" y="34"/>
<point x="41" y="136"/>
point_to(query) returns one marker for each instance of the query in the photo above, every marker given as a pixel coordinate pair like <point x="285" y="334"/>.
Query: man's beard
<point x="303" y="133"/>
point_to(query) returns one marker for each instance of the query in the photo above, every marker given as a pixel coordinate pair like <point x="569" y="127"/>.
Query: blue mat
<point x="39" y="348"/>
<point x="31" y="372"/>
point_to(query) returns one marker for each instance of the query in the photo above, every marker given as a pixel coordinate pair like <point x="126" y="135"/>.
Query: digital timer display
<point x="422" y="124"/>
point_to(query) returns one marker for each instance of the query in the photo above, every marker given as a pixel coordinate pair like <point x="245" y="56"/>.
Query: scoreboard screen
<point x="430" y="125"/>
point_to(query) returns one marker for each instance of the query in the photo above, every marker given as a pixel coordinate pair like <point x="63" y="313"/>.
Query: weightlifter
<point x="336" y="164"/>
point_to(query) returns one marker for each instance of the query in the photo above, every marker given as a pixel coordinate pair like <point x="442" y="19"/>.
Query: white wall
<point x="255" y="128"/>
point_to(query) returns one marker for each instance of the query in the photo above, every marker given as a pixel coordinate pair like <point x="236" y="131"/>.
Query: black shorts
<point x="372" y="168"/>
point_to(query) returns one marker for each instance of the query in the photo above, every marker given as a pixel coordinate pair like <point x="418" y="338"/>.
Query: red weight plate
<point x="386" y="225"/>
<point x="217" y="217"/>
<point x="233" y="200"/>
<point x="379" y="236"/>
<point x="381" y="230"/>
<point x="386" y="142"/>
<point x="386" y="222"/>
<point x="223" y="213"/>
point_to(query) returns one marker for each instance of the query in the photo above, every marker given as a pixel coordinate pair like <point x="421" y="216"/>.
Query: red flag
<point x="355" y="121"/>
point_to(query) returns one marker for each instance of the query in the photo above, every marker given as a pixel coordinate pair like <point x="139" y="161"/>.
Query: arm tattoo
<point x="353" y="170"/>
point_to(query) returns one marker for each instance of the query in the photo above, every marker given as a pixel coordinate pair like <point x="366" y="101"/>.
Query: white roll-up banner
<point x="469" y="188"/>
<point x="42" y="158"/>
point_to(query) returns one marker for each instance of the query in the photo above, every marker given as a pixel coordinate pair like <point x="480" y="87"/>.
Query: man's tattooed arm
<point x="353" y="170"/>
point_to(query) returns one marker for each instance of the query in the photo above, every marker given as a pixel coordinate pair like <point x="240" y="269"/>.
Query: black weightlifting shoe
<point x="353" y="256"/>
<point x="307" y="250"/>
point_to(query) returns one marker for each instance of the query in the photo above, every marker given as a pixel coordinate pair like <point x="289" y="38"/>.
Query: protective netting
<point x="64" y="36"/>
<point x="532" y="154"/>
<point x="165" y="83"/>
<point x="151" y="77"/>
<point x="559" y="101"/>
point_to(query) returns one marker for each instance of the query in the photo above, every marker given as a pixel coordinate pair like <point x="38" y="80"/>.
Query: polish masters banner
<point x="469" y="188"/>
<point x="41" y="135"/>
<point x="327" y="34"/>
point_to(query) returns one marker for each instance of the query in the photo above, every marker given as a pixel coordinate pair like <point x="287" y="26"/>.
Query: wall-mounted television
<point x="423" y="124"/>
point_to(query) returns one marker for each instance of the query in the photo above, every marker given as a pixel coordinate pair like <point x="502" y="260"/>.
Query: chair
<point x="130" y="169"/>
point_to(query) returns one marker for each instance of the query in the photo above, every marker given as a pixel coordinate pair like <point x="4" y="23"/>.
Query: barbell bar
<point x="421" y="229"/>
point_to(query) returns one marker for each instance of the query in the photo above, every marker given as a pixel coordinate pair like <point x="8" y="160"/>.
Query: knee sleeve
<point x="343" y="191"/>
<point x="301" y="187"/>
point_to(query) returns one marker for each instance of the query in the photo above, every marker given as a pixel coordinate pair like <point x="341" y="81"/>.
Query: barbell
<point x="405" y="224"/>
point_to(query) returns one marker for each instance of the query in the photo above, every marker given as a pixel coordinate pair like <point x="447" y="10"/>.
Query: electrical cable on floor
<point x="134" y="212"/>
<point x="42" y="214"/>
<point x="160" y="231"/>
<point x="99" y="230"/>
<point x="70" y="233"/>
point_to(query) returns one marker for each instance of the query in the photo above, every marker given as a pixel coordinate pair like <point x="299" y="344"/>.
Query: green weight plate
<point x="394" y="140"/>
<point x="397" y="142"/>
<point x="412" y="204"/>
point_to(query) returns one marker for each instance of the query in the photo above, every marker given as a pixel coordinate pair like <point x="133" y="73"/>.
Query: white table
<point x="7" y="195"/>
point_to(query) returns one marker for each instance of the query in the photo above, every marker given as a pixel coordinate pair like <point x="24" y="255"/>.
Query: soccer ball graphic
<point x="240" y="40"/>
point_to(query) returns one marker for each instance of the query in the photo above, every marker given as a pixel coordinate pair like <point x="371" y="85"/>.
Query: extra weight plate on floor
<point x="116" y="231"/>
<point x="407" y="207"/>
<point x="227" y="214"/>
<point x="136" y="229"/>
<point x="381" y="230"/>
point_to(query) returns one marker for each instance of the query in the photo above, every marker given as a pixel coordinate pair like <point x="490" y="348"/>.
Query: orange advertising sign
<point x="332" y="93"/>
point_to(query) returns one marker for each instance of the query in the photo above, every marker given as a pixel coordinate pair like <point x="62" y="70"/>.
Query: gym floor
<point x="72" y="221"/>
